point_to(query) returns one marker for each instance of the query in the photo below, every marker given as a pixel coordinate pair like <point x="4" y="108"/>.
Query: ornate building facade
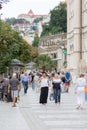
<point x="54" y="46"/>
<point x="77" y="36"/>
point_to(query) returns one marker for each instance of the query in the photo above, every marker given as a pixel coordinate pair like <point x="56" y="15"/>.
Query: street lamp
<point x="64" y="54"/>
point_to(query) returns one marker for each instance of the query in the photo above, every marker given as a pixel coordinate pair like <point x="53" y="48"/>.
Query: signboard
<point x="64" y="51"/>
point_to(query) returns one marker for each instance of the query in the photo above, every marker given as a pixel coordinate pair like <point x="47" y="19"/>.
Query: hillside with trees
<point x="58" y="20"/>
<point x="13" y="21"/>
<point x="57" y="23"/>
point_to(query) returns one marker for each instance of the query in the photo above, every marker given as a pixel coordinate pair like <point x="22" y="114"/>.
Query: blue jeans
<point x="25" y="84"/>
<point x="57" y="94"/>
<point x="33" y="85"/>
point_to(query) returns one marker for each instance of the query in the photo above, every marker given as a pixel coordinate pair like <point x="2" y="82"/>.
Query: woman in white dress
<point x="80" y="91"/>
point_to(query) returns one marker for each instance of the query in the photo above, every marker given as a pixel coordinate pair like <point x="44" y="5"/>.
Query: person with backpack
<point x="67" y="80"/>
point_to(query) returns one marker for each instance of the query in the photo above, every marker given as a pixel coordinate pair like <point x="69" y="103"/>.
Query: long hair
<point x="56" y="76"/>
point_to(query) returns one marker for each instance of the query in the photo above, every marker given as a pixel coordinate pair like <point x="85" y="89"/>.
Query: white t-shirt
<point x="44" y="82"/>
<point x="80" y="84"/>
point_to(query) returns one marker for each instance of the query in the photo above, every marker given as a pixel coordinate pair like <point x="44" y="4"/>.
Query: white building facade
<point x="77" y="36"/>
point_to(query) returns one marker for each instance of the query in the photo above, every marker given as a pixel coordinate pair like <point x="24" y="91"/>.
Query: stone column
<point x="74" y="35"/>
<point x="74" y="40"/>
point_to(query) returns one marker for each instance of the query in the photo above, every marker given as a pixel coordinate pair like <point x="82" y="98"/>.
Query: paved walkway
<point x="30" y="115"/>
<point x="11" y="118"/>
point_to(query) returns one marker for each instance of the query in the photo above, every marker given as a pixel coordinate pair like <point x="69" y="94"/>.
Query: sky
<point x="16" y="7"/>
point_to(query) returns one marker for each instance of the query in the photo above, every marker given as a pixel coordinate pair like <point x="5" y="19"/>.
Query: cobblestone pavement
<point x="30" y="115"/>
<point x="51" y="116"/>
<point x="11" y="118"/>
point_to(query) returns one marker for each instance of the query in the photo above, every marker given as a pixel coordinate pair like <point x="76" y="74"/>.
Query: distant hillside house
<point x="30" y="16"/>
<point x="32" y="24"/>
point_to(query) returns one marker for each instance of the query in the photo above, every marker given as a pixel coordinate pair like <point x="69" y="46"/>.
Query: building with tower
<point x="31" y="16"/>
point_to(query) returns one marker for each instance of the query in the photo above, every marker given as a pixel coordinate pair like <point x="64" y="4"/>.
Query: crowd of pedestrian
<point x="9" y="89"/>
<point x="47" y="83"/>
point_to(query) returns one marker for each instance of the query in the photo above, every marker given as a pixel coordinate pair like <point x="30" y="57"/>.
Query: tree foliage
<point x="36" y="41"/>
<point x="13" y="46"/>
<point x="44" y="61"/>
<point x="46" y="30"/>
<point x="13" y="21"/>
<point x="58" y="20"/>
<point x="2" y="2"/>
<point x="37" y="20"/>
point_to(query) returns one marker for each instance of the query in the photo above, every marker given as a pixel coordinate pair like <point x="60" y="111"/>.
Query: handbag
<point x="86" y="89"/>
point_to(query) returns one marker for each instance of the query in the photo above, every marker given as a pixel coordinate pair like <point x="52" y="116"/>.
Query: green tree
<point x="10" y="20"/>
<point x="13" y="21"/>
<point x="46" y="30"/>
<point x="37" y="20"/>
<point x="58" y="20"/>
<point x="36" y="41"/>
<point x="13" y="46"/>
<point x="44" y="61"/>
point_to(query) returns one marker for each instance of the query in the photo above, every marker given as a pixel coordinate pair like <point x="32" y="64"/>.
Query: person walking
<point x="14" y="83"/>
<point x="32" y="80"/>
<point x="21" y="78"/>
<point x="25" y="80"/>
<point x="67" y="80"/>
<point x="86" y="86"/>
<point x="1" y="90"/>
<point x="37" y="84"/>
<point x="44" y="82"/>
<point x="6" y="90"/>
<point x="80" y="91"/>
<point x="62" y="76"/>
<point x="57" y="88"/>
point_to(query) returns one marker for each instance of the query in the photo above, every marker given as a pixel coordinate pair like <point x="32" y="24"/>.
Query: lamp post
<point x="64" y="54"/>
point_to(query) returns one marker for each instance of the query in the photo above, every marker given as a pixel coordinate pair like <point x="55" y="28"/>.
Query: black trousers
<point x="44" y="95"/>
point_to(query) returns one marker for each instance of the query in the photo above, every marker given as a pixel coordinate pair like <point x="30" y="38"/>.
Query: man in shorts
<point x="14" y="83"/>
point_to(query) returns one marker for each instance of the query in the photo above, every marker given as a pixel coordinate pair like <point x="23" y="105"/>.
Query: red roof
<point x="30" y="12"/>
